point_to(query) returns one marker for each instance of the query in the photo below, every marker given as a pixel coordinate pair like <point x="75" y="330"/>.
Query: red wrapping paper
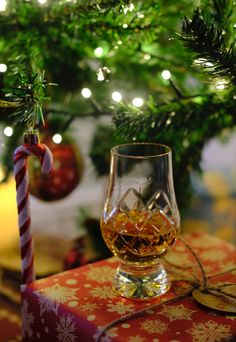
<point x="76" y="304"/>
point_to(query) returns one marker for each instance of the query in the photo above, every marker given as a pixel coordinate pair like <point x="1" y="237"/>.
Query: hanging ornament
<point x="103" y="74"/>
<point x="66" y="174"/>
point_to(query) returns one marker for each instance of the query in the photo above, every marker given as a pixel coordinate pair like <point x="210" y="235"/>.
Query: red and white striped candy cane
<point x="22" y="188"/>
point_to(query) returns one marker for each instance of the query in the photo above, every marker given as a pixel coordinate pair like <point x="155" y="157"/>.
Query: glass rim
<point x="114" y="150"/>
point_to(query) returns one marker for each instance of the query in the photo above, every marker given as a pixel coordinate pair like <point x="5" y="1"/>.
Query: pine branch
<point x="208" y="42"/>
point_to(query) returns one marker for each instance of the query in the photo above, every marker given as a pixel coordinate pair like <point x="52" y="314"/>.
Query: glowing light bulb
<point x="98" y="52"/>
<point x="140" y="15"/>
<point x="3" y="67"/>
<point x="128" y="8"/>
<point x="137" y="102"/>
<point x="57" y="138"/>
<point x="8" y="131"/>
<point x="3" y="5"/>
<point x="147" y="56"/>
<point x="86" y="93"/>
<point x="116" y="96"/>
<point x="125" y="26"/>
<point x="166" y="74"/>
<point x="220" y="86"/>
<point x="119" y="42"/>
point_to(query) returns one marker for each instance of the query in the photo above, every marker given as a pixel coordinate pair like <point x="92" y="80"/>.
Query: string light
<point x="119" y="42"/>
<point x="103" y="74"/>
<point x="128" y="8"/>
<point x="137" y="102"/>
<point x="3" y="67"/>
<point x="116" y="96"/>
<point x="140" y="15"/>
<point x="166" y="74"/>
<point x="3" y="5"/>
<point x="221" y="84"/>
<point x="57" y="138"/>
<point x="98" y="52"/>
<point x="86" y="93"/>
<point x="147" y="57"/>
<point x="8" y="131"/>
<point x="125" y="26"/>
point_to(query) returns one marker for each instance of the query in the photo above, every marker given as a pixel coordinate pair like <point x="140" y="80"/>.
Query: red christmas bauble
<point x="66" y="174"/>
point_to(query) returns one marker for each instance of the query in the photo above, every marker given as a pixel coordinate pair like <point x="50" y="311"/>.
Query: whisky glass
<point x="140" y="220"/>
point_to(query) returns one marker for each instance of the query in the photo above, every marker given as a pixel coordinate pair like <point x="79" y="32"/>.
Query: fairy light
<point x="3" y="67"/>
<point x="3" y="5"/>
<point x="147" y="56"/>
<point x="128" y="8"/>
<point x="86" y="93"/>
<point x="166" y="75"/>
<point x="98" y="52"/>
<point x="140" y="15"/>
<point x="116" y="96"/>
<point x="57" y="138"/>
<point x="220" y="86"/>
<point x="100" y="75"/>
<point x="8" y="131"/>
<point x="119" y="42"/>
<point x="137" y="102"/>
<point x="235" y="25"/>
<point x="125" y="26"/>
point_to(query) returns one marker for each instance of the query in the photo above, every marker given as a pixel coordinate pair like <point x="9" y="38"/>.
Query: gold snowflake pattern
<point x="209" y="332"/>
<point x="154" y="326"/>
<point x="27" y="320"/>
<point x="66" y="329"/>
<point x="51" y="297"/>
<point x="120" y="307"/>
<point x="89" y="307"/>
<point x="178" y="258"/>
<point x="215" y="255"/>
<point x="101" y="274"/>
<point x="103" y="292"/>
<point x="201" y="242"/>
<point x="136" y="338"/>
<point x="177" y="312"/>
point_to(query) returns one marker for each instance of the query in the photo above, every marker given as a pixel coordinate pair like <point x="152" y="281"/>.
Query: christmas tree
<point x="162" y="71"/>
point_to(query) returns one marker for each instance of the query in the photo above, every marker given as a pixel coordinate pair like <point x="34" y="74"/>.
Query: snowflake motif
<point x="66" y="329"/>
<point x="209" y="332"/>
<point x="136" y="338"/>
<point x="225" y="266"/>
<point x="213" y="255"/>
<point x="51" y="297"/>
<point x="100" y="274"/>
<point x="120" y="307"/>
<point x="178" y="258"/>
<point x="206" y="243"/>
<point x="154" y="326"/>
<point x="103" y="292"/>
<point x="27" y="320"/>
<point x="90" y="307"/>
<point x="177" y="312"/>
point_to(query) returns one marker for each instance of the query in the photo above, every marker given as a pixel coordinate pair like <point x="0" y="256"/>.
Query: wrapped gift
<point x="76" y="305"/>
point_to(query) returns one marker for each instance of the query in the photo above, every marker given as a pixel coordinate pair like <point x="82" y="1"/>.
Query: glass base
<point x="141" y="281"/>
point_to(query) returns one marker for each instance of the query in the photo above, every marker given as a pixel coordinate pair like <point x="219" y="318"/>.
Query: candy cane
<point x="23" y="205"/>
